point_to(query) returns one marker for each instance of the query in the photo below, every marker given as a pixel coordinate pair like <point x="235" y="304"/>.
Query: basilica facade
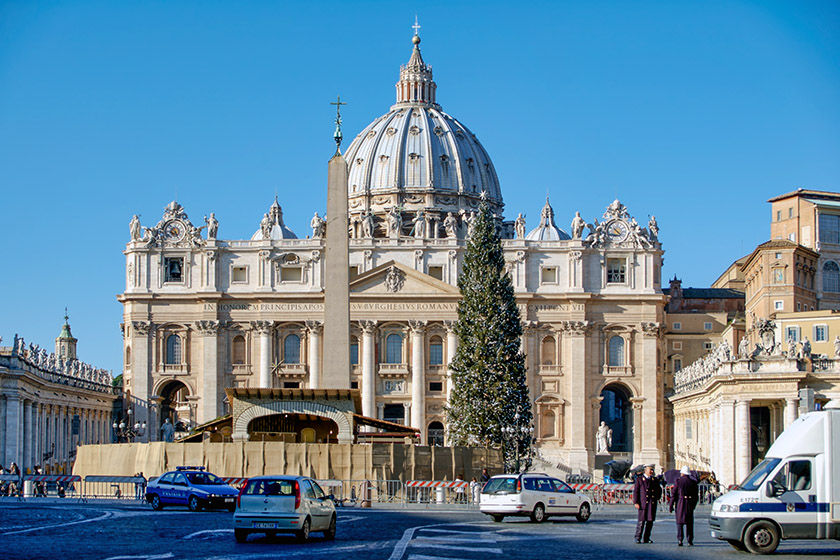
<point x="202" y="314"/>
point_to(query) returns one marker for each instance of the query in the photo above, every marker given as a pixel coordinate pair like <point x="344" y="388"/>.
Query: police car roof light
<point x="188" y="468"/>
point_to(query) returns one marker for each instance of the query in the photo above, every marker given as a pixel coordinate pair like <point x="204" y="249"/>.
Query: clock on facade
<point x="617" y="230"/>
<point x="174" y="230"/>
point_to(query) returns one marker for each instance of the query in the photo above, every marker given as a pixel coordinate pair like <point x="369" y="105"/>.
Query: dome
<point x="272" y="226"/>
<point x="416" y="156"/>
<point x="547" y="230"/>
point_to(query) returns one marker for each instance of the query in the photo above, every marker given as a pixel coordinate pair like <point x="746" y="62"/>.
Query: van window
<point x="529" y="483"/>
<point x="501" y="485"/>
<point x="796" y="476"/>
<point x="560" y="486"/>
<point x="759" y="473"/>
<point x="544" y="485"/>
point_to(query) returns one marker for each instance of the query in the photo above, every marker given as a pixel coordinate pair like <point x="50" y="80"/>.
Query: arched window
<point x="549" y="351"/>
<point x="436" y="433"/>
<point x="393" y="349"/>
<point x="291" y="349"/>
<point x="238" y="350"/>
<point x="616" y="348"/>
<point x="831" y="277"/>
<point x="173" y="349"/>
<point x="354" y="351"/>
<point x="436" y="351"/>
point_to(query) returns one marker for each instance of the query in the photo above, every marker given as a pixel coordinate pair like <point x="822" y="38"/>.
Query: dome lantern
<point x="416" y="85"/>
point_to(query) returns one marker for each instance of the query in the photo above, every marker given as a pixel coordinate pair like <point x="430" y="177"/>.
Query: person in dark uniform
<point x="646" y="493"/>
<point x="684" y="498"/>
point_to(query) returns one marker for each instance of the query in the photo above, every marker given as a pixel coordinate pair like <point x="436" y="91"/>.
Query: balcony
<point x="617" y="371"/>
<point x="292" y="371"/>
<point x="393" y="370"/>
<point x="551" y="369"/>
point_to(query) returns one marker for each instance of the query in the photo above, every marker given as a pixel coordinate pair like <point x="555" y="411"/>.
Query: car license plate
<point x="228" y="500"/>
<point x="264" y="525"/>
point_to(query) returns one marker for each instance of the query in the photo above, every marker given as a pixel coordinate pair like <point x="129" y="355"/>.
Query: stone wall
<point x="382" y="461"/>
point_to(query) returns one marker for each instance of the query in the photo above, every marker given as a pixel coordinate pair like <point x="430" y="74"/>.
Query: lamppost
<point x="518" y="433"/>
<point x="123" y="429"/>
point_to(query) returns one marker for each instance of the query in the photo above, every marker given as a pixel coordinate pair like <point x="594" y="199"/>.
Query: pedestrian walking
<point x="460" y="496"/>
<point x="140" y="487"/>
<point x="646" y="494"/>
<point x="475" y="490"/>
<point x="485" y="477"/>
<point x="684" y="498"/>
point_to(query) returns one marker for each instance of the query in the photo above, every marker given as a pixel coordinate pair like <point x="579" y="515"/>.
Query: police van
<point x="794" y="493"/>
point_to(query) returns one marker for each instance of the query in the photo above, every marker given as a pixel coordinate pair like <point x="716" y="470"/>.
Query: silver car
<point x="283" y="504"/>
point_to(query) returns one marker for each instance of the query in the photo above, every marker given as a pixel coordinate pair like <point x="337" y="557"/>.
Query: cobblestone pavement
<point x="56" y="529"/>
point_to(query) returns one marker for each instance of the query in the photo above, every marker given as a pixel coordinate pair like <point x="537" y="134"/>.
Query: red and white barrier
<point x="436" y="484"/>
<point x="234" y="481"/>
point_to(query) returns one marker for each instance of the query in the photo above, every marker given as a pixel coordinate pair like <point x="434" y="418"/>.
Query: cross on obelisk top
<point x="337" y="135"/>
<point x="416" y="26"/>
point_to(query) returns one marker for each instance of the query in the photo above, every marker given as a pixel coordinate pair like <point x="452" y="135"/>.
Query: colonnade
<point x="31" y="429"/>
<point x="721" y="434"/>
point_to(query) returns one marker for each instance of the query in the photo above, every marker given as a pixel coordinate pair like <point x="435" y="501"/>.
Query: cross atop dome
<point x="416" y="86"/>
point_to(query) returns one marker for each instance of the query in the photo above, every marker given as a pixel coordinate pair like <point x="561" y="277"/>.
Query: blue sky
<point x="696" y="112"/>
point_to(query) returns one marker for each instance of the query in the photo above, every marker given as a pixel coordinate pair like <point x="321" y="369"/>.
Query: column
<point x="13" y="429"/>
<point x="3" y="460"/>
<point x="791" y="407"/>
<point x="726" y="474"/>
<point x="315" y="328"/>
<point x="263" y="330"/>
<point x="140" y="373"/>
<point x="26" y="460"/>
<point x="368" y="368"/>
<point x="406" y="412"/>
<point x="649" y="368"/>
<point x="743" y="449"/>
<point x="638" y="407"/>
<point x="418" y="378"/>
<point x="579" y="451"/>
<point x="210" y="401"/>
<point x="451" y="349"/>
<point x="380" y="411"/>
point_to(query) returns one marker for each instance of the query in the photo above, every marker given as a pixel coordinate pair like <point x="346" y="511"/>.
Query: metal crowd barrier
<point x="61" y="485"/>
<point x="236" y="481"/>
<point x="440" y="492"/>
<point x="114" y="487"/>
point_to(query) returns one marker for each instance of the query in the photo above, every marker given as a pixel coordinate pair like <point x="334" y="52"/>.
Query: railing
<point x="393" y="370"/>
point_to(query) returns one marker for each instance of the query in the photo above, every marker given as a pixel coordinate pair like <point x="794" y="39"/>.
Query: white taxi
<point x="538" y="496"/>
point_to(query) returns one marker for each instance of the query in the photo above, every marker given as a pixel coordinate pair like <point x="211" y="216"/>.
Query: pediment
<point x="395" y="278"/>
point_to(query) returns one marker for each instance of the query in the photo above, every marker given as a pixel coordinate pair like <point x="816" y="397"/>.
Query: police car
<point x="192" y="487"/>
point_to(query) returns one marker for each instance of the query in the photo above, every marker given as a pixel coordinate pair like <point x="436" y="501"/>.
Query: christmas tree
<point x="489" y="405"/>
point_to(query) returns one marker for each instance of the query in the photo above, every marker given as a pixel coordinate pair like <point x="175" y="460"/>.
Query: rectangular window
<point x="792" y="237"/>
<point x="435" y="386"/>
<point x="616" y="271"/>
<point x="820" y="333"/>
<point x="778" y="305"/>
<point x="677" y="326"/>
<point x="436" y="272"/>
<point x="799" y="306"/>
<point x="829" y="229"/>
<point x="436" y="354"/>
<point x="778" y="256"/>
<point x="688" y="428"/>
<point x="677" y="364"/>
<point x="354" y="272"/>
<point x="173" y="269"/>
<point x="354" y="353"/>
<point x="291" y="384"/>
<point x="792" y="333"/>
<point x="708" y="345"/>
<point x="288" y="274"/>
<point x="778" y="215"/>
<point x="677" y="345"/>
<point x="240" y="274"/>
<point x="354" y="384"/>
<point x="549" y="275"/>
<point x="790" y="212"/>
<point x="707" y="326"/>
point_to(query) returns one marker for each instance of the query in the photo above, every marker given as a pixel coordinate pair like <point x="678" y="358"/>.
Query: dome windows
<point x="414" y="130"/>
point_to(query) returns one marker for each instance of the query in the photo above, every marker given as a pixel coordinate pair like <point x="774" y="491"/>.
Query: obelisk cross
<point x="337" y="135"/>
<point x="416" y="26"/>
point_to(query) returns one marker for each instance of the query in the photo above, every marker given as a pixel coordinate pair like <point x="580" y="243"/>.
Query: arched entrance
<point x="436" y="433"/>
<point x="293" y="428"/>
<point x="617" y="412"/>
<point x="175" y="406"/>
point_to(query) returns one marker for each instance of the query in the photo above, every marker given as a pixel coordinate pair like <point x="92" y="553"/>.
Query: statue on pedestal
<point x="603" y="438"/>
<point x="578" y="224"/>
<point x="317" y="224"/>
<point x="450" y="224"/>
<point x="519" y="226"/>
<point x="135" y="229"/>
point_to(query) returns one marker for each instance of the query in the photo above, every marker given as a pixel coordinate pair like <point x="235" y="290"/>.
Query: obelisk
<point x="336" y="370"/>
